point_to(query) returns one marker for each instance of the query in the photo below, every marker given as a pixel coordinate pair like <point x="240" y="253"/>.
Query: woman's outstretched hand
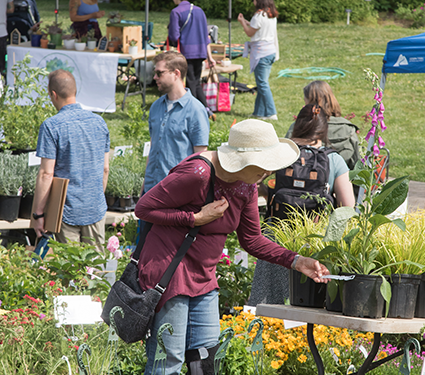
<point x="211" y="212"/>
<point x="312" y="268"/>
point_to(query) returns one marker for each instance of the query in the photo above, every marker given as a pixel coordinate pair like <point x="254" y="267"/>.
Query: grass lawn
<point x="310" y="45"/>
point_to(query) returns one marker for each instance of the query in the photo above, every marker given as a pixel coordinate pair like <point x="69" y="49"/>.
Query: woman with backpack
<point x="271" y="282"/>
<point x="342" y="134"/>
<point x="264" y="51"/>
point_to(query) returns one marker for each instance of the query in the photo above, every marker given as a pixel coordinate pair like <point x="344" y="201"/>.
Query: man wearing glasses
<point x="178" y="122"/>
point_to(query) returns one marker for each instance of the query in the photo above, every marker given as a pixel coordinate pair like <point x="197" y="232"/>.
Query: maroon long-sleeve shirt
<point x="171" y="205"/>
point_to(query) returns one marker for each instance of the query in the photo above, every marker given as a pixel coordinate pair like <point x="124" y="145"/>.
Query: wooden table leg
<point x="314" y="351"/>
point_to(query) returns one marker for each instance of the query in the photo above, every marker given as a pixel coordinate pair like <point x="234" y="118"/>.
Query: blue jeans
<point x="196" y="325"/>
<point x="264" y="103"/>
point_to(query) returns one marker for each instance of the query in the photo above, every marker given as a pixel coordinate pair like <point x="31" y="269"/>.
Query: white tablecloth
<point x="94" y="72"/>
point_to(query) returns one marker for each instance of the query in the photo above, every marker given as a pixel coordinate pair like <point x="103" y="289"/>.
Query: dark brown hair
<point x="311" y="125"/>
<point x="268" y="7"/>
<point x="62" y="83"/>
<point x="173" y="60"/>
<point x="319" y="92"/>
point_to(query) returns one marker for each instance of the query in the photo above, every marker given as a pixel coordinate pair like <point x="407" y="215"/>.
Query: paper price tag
<point x="33" y="160"/>
<point x="146" y="149"/>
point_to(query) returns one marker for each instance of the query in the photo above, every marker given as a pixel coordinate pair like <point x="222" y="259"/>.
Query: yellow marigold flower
<point x="275" y="365"/>
<point x="302" y="358"/>
<point x="382" y="355"/>
<point x="336" y="351"/>
<point x="238" y="308"/>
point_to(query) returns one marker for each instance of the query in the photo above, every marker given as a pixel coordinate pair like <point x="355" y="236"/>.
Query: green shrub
<point x="416" y="15"/>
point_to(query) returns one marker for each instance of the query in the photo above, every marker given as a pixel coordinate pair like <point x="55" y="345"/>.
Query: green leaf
<point x="337" y="223"/>
<point x="378" y="220"/>
<point x="350" y="236"/>
<point x="326" y="251"/>
<point x="400" y="223"/>
<point x="386" y="293"/>
<point x="314" y="236"/>
<point x="393" y="194"/>
<point x="332" y="289"/>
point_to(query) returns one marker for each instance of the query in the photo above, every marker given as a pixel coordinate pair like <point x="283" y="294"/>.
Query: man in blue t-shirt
<point x="73" y="144"/>
<point x="178" y="122"/>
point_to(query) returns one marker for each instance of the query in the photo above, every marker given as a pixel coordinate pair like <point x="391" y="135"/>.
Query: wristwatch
<point x="36" y="216"/>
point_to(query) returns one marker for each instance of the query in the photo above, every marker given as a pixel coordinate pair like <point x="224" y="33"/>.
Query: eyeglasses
<point x="159" y="73"/>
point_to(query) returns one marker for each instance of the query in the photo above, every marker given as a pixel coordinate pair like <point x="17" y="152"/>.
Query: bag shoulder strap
<point x="188" y="18"/>
<point x="189" y="239"/>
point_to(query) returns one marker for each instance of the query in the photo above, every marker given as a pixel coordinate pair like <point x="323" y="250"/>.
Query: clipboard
<point x="54" y="208"/>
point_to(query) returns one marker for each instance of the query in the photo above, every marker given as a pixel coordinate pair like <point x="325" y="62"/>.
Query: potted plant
<point x="80" y="44"/>
<point x="355" y="250"/>
<point x="91" y="40"/>
<point x="133" y="48"/>
<point x="111" y="46"/>
<point x="12" y="169"/>
<point x="68" y="37"/>
<point x="114" y="17"/>
<point x="44" y="41"/>
<point x="35" y="38"/>
<point x="28" y="188"/>
<point x="55" y="32"/>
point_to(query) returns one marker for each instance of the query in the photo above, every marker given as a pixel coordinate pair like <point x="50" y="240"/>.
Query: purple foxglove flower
<point x="381" y="107"/>
<point x="381" y="142"/>
<point x="372" y="112"/>
<point x="383" y="127"/>
<point x="375" y="150"/>
<point x="376" y="97"/>
<point x="371" y="133"/>
<point x="381" y="94"/>
<point x="380" y="116"/>
<point x="374" y="120"/>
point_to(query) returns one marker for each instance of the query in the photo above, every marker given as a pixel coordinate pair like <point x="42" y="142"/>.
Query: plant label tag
<point x="33" y="160"/>
<point x="146" y="149"/>
<point x="363" y="350"/>
<point x="334" y="356"/>
<point x="292" y="324"/>
<point x="299" y="184"/>
<point x="121" y="150"/>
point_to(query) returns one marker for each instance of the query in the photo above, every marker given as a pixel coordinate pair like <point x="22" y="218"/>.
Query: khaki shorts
<point x="93" y="234"/>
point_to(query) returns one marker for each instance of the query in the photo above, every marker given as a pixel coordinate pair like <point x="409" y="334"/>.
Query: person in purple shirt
<point x="189" y="24"/>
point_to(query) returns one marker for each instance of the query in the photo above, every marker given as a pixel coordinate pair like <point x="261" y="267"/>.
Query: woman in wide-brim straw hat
<point x="176" y="204"/>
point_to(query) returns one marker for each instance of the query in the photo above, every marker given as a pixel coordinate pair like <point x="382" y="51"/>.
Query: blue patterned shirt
<point x="78" y="140"/>
<point x="173" y="134"/>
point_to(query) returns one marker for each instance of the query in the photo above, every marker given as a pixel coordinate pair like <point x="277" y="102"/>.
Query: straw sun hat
<point x="255" y="142"/>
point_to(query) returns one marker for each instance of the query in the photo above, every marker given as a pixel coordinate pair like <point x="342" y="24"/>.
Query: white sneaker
<point x="270" y="118"/>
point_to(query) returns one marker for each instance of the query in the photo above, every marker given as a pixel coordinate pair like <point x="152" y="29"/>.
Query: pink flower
<point x="381" y="94"/>
<point x="114" y="224"/>
<point x="414" y="10"/>
<point x="371" y="133"/>
<point x="118" y="254"/>
<point x="380" y="116"/>
<point x="381" y="107"/>
<point x="381" y="142"/>
<point x="42" y="316"/>
<point x="376" y="97"/>
<point x="119" y="234"/>
<point x="422" y="8"/>
<point x="375" y="120"/>
<point x="122" y="224"/>
<point x="372" y="112"/>
<point x="383" y="127"/>
<point x="375" y="150"/>
<point x="113" y="243"/>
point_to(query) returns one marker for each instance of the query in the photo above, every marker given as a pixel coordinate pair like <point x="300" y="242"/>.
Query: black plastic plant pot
<point x="126" y="202"/>
<point x="111" y="201"/>
<point x="420" y="300"/>
<point x="336" y="304"/>
<point x="361" y="297"/>
<point x="25" y="207"/>
<point x="404" y="292"/>
<point x="307" y="294"/>
<point x="9" y="207"/>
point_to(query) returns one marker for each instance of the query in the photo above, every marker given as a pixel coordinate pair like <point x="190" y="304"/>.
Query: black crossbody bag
<point x="139" y="305"/>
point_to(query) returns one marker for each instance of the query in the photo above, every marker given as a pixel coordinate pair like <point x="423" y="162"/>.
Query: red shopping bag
<point x="210" y="89"/>
<point x="223" y="97"/>
<point x="168" y="44"/>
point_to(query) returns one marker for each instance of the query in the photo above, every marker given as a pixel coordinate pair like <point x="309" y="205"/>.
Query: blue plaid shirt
<point x="77" y="139"/>
<point x="173" y="134"/>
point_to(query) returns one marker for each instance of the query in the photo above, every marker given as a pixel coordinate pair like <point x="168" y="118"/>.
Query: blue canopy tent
<point x="405" y="55"/>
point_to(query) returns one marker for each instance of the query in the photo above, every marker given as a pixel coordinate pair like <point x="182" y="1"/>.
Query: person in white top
<point x="6" y="6"/>
<point x="264" y="51"/>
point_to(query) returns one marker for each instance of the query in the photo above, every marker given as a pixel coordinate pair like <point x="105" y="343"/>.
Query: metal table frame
<point x="314" y="316"/>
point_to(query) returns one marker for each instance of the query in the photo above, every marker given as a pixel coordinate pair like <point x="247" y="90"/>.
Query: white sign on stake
<point x="75" y="310"/>
<point x="146" y="149"/>
<point x="33" y="160"/>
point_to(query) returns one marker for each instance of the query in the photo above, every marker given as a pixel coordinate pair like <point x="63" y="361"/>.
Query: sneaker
<point x="270" y="118"/>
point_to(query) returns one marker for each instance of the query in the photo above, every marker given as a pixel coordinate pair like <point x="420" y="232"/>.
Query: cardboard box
<point x="54" y="208"/>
